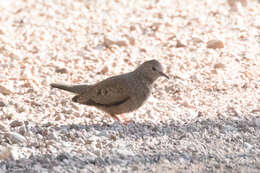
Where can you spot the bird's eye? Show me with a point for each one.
(153, 68)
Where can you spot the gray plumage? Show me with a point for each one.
(118, 94)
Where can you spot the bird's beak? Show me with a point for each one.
(163, 74)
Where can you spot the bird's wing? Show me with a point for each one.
(112, 91)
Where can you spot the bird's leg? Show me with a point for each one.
(118, 117)
(115, 117)
(125, 120)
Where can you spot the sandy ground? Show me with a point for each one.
(206, 118)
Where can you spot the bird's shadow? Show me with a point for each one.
(137, 129)
(173, 130)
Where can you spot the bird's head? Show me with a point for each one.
(152, 70)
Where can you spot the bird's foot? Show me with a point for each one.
(124, 119)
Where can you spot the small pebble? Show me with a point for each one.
(61, 70)
(22, 130)
(16, 123)
(179, 44)
(196, 40)
(4, 90)
(15, 138)
(3, 127)
(52, 136)
(5, 153)
(2, 104)
(215, 44)
(257, 122)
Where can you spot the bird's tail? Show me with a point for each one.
(78, 89)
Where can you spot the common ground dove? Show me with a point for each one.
(118, 94)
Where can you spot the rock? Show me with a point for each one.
(14, 154)
(44, 132)
(108, 43)
(131, 40)
(3, 128)
(57, 168)
(196, 40)
(243, 2)
(132, 28)
(21, 108)
(215, 44)
(257, 122)
(15, 137)
(104, 70)
(248, 146)
(16, 123)
(22, 130)
(61, 70)
(180, 44)
(63, 156)
(5, 153)
(124, 152)
(219, 66)
(256, 111)
(134, 168)
(113, 137)
(52, 136)
(2, 104)
(229, 128)
(1, 32)
(120, 43)
(102, 133)
(10, 115)
(4, 90)
(96, 152)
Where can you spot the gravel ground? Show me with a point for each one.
(206, 118)
(199, 146)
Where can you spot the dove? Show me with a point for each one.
(118, 94)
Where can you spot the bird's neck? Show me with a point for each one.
(148, 80)
(143, 77)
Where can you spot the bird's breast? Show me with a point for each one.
(142, 94)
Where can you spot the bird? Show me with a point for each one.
(118, 94)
